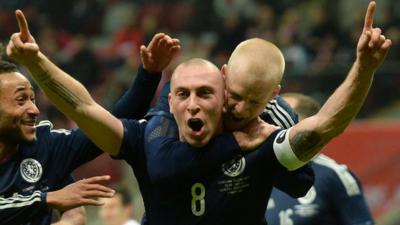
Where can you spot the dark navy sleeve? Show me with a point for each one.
(132, 143)
(296, 183)
(136, 100)
(348, 198)
(169, 158)
(67, 148)
(22, 209)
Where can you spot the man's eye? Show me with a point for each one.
(20, 101)
(181, 94)
(234, 96)
(204, 93)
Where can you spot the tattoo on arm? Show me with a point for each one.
(58, 89)
(305, 144)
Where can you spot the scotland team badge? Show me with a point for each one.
(31, 170)
(234, 167)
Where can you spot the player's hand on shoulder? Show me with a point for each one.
(254, 134)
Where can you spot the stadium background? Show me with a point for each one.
(97, 42)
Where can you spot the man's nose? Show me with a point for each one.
(193, 106)
(33, 109)
(240, 107)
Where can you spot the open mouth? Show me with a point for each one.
(195, 124)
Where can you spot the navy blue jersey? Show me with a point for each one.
(229, 193)
(161, 157)
(45, 165)
(335, 199)
(173, 187)
(37, 168)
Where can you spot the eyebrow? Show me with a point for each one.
(22, 88)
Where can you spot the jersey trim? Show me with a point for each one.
(348, 181)
(20, 200)
(45, 123)
(279, 115)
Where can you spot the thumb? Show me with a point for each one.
(144, 54)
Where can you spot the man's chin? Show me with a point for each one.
(30, 139)
(197, 143)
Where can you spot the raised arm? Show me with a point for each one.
(310, 135)
(155, 58)
(66, 93)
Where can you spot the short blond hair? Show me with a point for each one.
(259, 58)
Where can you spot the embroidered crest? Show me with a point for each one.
(234, 167)
(31, 170)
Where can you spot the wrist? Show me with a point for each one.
(151, 72)
(35, 64)
(51, 199)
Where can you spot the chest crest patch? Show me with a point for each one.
(234, 167)
(31, 170)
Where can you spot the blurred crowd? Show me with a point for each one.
(97, 41)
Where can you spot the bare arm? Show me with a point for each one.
(66, 93)
(83, 192)
(309, 136)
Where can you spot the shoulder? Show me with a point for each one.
(46, 126)
(336, 174)
(279, 112)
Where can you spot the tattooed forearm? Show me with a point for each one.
(58, 89)
(305, 144)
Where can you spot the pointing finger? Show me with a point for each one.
(369, 17)
(23, 25)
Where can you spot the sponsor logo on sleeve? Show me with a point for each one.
(281, 137)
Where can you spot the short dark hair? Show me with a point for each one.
(125, 196)
(7, 67)
(306, 106)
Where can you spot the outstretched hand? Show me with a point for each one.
(22, 46)
(83, 192)
(372, 46)
(159, 53)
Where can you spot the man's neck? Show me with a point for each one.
(7, 151)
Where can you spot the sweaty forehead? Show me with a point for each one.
(13, 82)
(198, 75)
